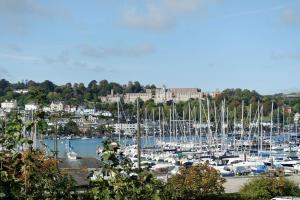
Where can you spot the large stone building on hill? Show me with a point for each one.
(159, 95)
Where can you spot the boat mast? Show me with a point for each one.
(173, 121)
(261, 128)
(159, 124)
(153, 124)
(189, 123)
(223, 126)
(283, 124)
(183, 122)
(118, 105)
(163, 126)
(200, 122)
(146, 125)
(170, 125)
(138, 134)
(271, 131)
(234, 129)
(278, 121)
(216, 124)
(176, 121)
(227, 125)
(250, 119)
(208, 124)
(242, 121)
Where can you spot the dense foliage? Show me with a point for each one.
(264, 188)
(74, 94)
(27, 173)
(197, 182)
(119, 180)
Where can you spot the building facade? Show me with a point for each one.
(57, 107)
(159, 95)
(9, 105)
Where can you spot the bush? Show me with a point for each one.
(196, 182)
(269, 187)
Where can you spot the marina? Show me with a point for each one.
(248, 145)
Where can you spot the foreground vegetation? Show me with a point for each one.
(28, 173)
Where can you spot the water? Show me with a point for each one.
(84, 148)
(88, 147)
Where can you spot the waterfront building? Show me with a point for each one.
(127, 128)
(31, 107)
(8, 106)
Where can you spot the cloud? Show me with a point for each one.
(16, 14)
(12, 48)
(69, 60)
(287, 55)
(253, 12)
(91, 67)
(20, 57)
(61, 58)
(4, 72)
(290, 16)
(100, 52)
(158, 15)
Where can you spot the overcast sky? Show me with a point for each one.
(209, 44)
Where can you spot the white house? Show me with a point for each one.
(106, 114)
(21, 91)
(9, 105)
(57, 107)
(127, 128)
(296, 117)
(46, 109)
(29, 107)
(70, 109)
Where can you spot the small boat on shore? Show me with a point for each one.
(71, 154)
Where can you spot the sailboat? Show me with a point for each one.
(71, 155)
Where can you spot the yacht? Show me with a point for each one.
(72, 155)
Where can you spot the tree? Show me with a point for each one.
(296, 108)
(71, 128)
(48, 86)
(37, 95)
(196, 182)
(268, 187)
(28, 174)
(121, 180)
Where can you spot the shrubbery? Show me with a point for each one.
(269, 187)
(196, 182)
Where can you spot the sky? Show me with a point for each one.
(208, 44)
